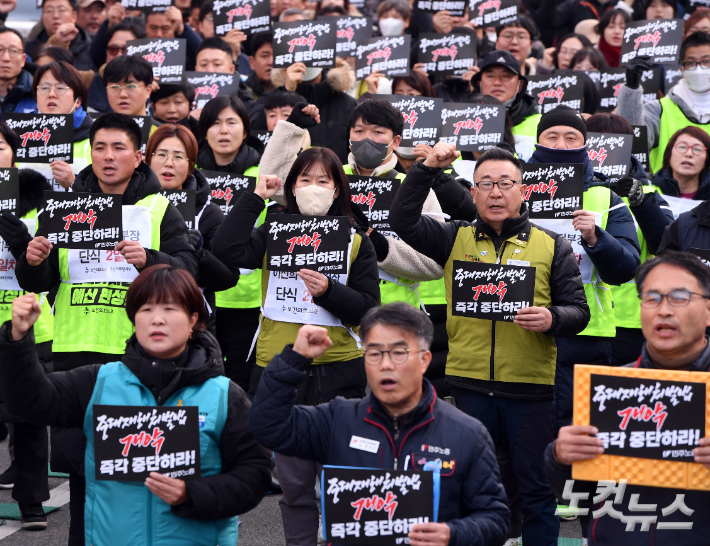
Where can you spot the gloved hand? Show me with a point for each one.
(14, 231)
(196, 239)
(301, 119)
(634, 70)
(623, 186)
(636, 194)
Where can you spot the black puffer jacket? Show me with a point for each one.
(453, 90)
(79, 47)
(21, 90)
(523, 107)
(61, 399)
(247, 156)
(690, 230)
(669, 185)
(175, 247)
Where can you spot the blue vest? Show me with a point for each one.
(119, 513)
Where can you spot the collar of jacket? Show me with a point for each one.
(518, 227)
(201, 360)
(22, 87)
(523, 106)
(702, 364)
(143, 183)
(246, 157)
(197, 181)
(255, 84)
(669, 185)
(421, 413)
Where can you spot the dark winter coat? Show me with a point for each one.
(453, 90)
(247, 156)
(664, 180)
(20, 91)
(690, 230)
(79, 47)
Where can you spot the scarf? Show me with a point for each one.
(611, 54)
(699, 103)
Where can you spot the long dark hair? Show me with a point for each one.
(333, 167)
(415, 80)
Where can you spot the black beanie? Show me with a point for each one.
(562, 115)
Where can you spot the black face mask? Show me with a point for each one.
(544, 154)
(369, 154)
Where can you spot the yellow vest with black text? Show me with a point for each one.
(45, 323)
(92, 316)
(526, 130)
(672, 120)
(247, 293)
(495, 350)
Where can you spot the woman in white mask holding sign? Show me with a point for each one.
(59, 89)
(315, 186)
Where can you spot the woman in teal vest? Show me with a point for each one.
(170, 361)
(225, 130)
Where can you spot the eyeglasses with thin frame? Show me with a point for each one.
(13, 51)
(676, 298)
(690, 65)
(129, 87)
(682, 147)
(398, 355)
(505, 184)
(161, 157)
(116, 50)
(59, 88)
(60, 11)
(509, 36)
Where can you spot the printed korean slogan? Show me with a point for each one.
(491, 13)
(553, 190)
(455, 7)
(422, 118)
(144, 124)
(610, 154)
(82, 220)
(658, 39)
(472, 127)
(227, 188)
(389, 55)
(43, 138)
(166, 56)
(249, 16)
(309, 42)
(184, 201)
(374, 196)
(147, 6)
(551, 91)
(448, 54)
(209, 85)
(350, 31)
(639, 146)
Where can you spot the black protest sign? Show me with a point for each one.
(372, 507)
(374, 196)
(449, 54)
(551, 91)
(226, 188)
(147, 6)
(472, 127)
(692, 5)
(209, 85)
(144, 124)
(702, 253)
(130, 442)
(388, 54)
(184, 201)
(44, 138)
(553, 190)
(455, 7)
(639, 146)
(9, 189)
(249, 16)
(658, 39)
(671, 76)
(422, 118)
(491, 13)
(320, 243)
(491, 291)
(610, 82)
(350, 31)
(166, 56)
(263, 136)
(647, 418)
(610, 154)
(651, 83)
(82, 220)
(309, 42)
(593, 75)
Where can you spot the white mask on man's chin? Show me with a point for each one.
(697, 79)
(406, 152)
(391, 26)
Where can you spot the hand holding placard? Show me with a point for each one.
(535, 319)
(133, 252)
(312, 341)
(584, 222)
(25, 312)
(430, 534)
(317, 283)
(702, 454)
(172, 490)
(267, 186)
(576, 443)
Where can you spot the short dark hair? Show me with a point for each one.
(415, 80)
(331, 10)
(11, 138)
(695, 132)
(594, 55)
(56, 53)
(4, 29)
(377, 112)
(205, 10)
(400, 6)
(400, 315)
(695, 39)
(609, 17)
(333, 167)
(122, 122)
(67, 74)
(71, 3)
(277, 99)
(215, 106)
(164, 283)
(126, 26)
(581, 37)
(498, 154)
(125, 66)
(215, 43)
(685, 260)
(169, 89)
(258, 41)
(609, 123)
(523, 21)
(670, 3)
(196, 4)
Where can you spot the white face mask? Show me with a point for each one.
(406, 152)
(698, 79)
(391, 26)
(314, 200)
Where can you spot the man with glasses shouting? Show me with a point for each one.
(674, 289)
(393, 427)
(502, 373)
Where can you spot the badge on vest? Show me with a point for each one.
(364, 444)
(518, 262)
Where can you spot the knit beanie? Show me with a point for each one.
(562, 115)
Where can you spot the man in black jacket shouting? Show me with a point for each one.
(393, 427)
(502, 373)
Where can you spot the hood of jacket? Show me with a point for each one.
(201, 360)
(669, 185)
(340, 79)
(197, 181)
(246, 157)
(523, 106)
(144, 182)
(702, 364)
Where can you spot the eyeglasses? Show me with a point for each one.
(60, 11)
(129, 87)
(510, 36)
(504, 184)
(690, 65)
(397, 356)
(677, 298)
(59, 88)
(161, 157)
(116, 50)
(568, 51)
(13, 51)
(682, 147)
